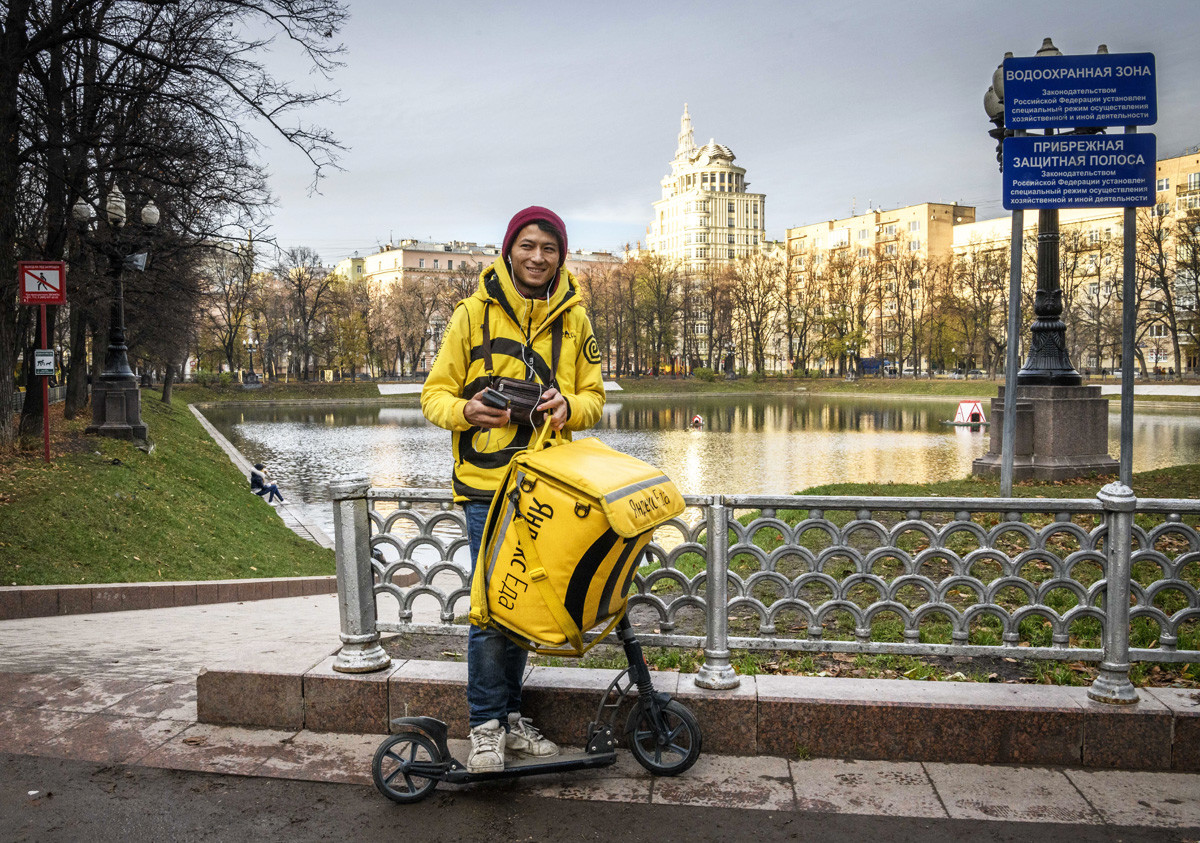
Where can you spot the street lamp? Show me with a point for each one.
(1048, 363)
(116, 399)
(250, 345)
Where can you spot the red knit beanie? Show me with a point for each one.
(536, 213)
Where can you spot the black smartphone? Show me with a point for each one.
(494, 399)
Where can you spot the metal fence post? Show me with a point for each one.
(360, 651)
(717, 673)
(1112, 685)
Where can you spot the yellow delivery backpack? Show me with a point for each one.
(563, 538)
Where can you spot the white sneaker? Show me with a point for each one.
(525, 740)
(487, 748)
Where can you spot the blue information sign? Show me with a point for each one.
(1106, 89)
(1079, 171)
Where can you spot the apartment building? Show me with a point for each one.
(705, 215)
(1091, 267)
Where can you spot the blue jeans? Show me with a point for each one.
(495, 665)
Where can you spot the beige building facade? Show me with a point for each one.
(433, 263)
(705, 215)
(1092, 261)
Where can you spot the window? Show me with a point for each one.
(915, 225)
(1188, 203)
(449, 264)
(1193, 181)
(863, 251)
(436, 263)
(701, 253)
(731, 222)
(889, 249)
(420, 263)
(755, 239)
(838, 238)
(1162, 184)
(731, 253)
(730, 238)
(889, 230)
(1162, 209)
(914, 245)
(863, 233)
(1158, 330)
(732, 207)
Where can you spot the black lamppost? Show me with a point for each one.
(1049, 364)
(250, 345)
(116, 398)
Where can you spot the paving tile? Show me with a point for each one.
(728, 719)
(562, 701)
(761, 782)
(10, 604)
(624, 781)
(432, 689)
(184, 594)
(112, 739)
(75, 601)
(29, 690)
(346, 702)
(1014, 794)
(1184, 706)
(323, 757)
(1128, 737)
(118, 598)
(165, 700)
(26, 730)
(919, 721)
(39, 602)
(830, 785)
(1158, 800)
(218, 749)
(65, 693)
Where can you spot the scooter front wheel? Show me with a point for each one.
(402, 767)
(665, 750)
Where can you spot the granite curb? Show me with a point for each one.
(37, 601)
(788, 716)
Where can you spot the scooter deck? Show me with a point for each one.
(568, 758)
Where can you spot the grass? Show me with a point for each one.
(105, 511)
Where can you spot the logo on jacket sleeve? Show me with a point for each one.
(591, 351)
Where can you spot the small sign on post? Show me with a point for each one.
(42, 282)
(43, 362)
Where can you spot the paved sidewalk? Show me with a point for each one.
(120, 688)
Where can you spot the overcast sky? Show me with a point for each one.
(456, 114)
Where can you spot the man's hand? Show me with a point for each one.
(555, 406)
(482, 416)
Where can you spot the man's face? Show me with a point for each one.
(534, 258)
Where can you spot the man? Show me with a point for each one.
(526, 305)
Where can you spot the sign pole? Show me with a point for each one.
(1128, 316)
(45, 396)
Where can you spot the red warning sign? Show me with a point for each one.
(42, 282)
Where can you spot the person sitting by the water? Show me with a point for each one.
(260, 486)
(697, 422)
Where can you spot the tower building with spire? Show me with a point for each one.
(705, 215)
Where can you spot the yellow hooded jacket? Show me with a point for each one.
(520, 331)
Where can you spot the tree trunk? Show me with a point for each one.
(77, 394)
(168, 382)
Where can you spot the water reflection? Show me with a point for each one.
(760, 445)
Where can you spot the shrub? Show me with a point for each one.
(705, 374)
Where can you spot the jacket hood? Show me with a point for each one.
(531, 315)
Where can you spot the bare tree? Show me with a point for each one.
(309, 285)
(757, 284)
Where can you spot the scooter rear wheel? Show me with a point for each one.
(672, 751)
(392, 767)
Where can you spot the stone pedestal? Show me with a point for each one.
(117, 408)
(1062, 432)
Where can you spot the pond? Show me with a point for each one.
(747, 445)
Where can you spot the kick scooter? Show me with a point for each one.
(661, 732)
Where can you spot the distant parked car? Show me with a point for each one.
(976, 373)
